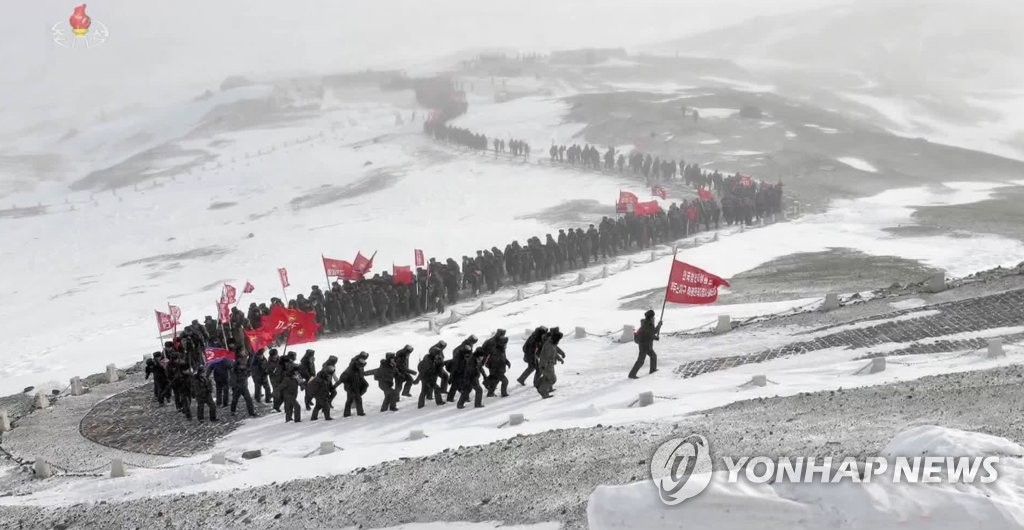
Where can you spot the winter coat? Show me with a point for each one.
(646, 335)
(354, 378)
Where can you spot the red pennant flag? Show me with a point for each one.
(224, 311)
(689, 285)
(175, 313)
(647, 208)
(164, 322)
(658, 191)
(401, 275)
(283, 274)
(212, 355)
(704, 194)
(418, 254)
(362, 265)
(303, 327)
(229, 294)
(259, 338)
(627, 202)
(249, 287)
(340, 269)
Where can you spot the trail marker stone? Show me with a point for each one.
(581, 333)
(627, 333)
(645, 399)
(5, 421)
(76, 386)
(724, 324)
(877, 365)
(604, 271)
(936, 283)
(41, 402)
(417, 435)
(42, 468)
(219, 459)
(112, 375)
(580, 280)
(326, 448)
(995, 348)
(117, 468)
(516, 419)
(759, 380)
(831, 302)
(254, 453)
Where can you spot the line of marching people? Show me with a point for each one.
(278, 379)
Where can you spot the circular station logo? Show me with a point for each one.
(681, 468)
(79, 31)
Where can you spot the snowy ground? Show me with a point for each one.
(212, 199)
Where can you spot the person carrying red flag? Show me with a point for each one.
(249, 287)
(645, 337)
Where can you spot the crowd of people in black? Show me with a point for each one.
(181, 374)
(278, 379)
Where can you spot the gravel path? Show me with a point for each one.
(549, 476)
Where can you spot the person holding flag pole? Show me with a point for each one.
(686, 285)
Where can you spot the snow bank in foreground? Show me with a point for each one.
(858, 163)
(490, 525)
(877, 505)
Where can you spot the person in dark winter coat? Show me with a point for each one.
(290, 383)
(161, 386)
(385, 376)
(354, 381)
(202, 390)
(240, 385)
(320, 387)
(550, 354)
(497, 362)
(307, 369)
(645, 337)
(332, 390)
(222, 379)
(181, 385)
(437, 351)
(474, 371)
(531, 349)
(404, 378)
(258, 365)
(457, 366)
(275, 367)
(430, 369)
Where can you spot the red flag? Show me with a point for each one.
(164, 322)
(627, 202)
(283, 274)
(704, 194)
(340, 269)
(362, 265)
(278, 320)
(418, 254)
(303, 327)
(401, 275)
(745, 181)
(259, 338)
(212, 355)
(175, 313)
(224, 311)
(689, 285)
(647, 208)
(229, 294)
(249, 287)
(658, 191)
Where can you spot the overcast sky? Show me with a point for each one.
(165, 49)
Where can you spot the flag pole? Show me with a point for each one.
(675, 251)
